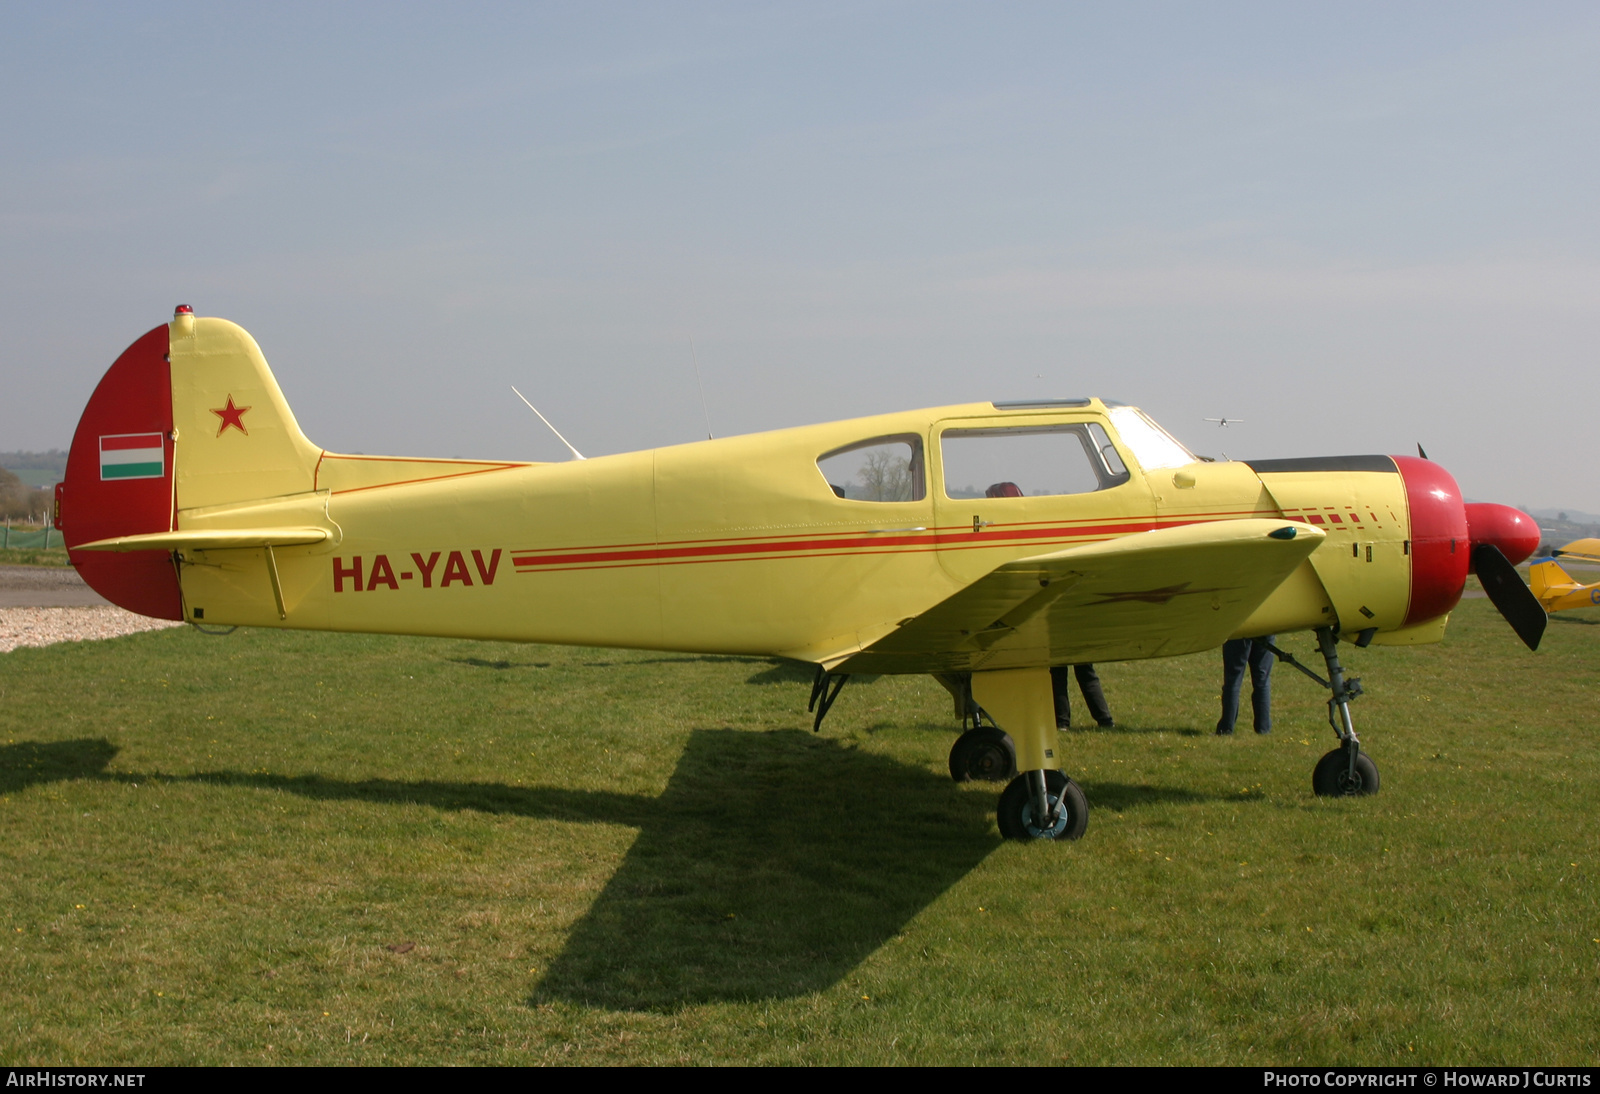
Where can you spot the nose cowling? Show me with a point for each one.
(1511, 530)
(1450, 538)
(1440, 546)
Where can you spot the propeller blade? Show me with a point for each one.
(1510, 595)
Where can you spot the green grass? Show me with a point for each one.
(285, 847)
(34, 556)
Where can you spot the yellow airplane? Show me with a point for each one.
(1557, 590)
(981, 543)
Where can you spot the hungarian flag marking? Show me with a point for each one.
(132, 456)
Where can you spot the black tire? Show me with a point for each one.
(1015, 812)
(1331, 778)
(984, 755)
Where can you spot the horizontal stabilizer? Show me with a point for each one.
(221, 539)
(1159, 593)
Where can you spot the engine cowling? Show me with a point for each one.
(1441, 542)
(1444, 530)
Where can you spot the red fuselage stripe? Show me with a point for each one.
(796, 547)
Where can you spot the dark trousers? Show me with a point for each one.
(1089, 684)
(1237, 655)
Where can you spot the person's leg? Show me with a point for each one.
(1235, 652)
(1060, 686)
(1261, 683)
(1093, 697)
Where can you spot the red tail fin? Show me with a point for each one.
(119, 480)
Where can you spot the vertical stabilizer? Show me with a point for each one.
(1548, 580)
(189, 417)
(237, 439)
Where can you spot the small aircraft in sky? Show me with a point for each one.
(1556, 589)
(981, 543)
(1224, 423)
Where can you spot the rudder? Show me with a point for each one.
(119, 481)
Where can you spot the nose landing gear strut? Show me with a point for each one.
(1346, 771)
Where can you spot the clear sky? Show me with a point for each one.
(1354, 226)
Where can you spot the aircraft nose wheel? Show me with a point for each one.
(1066, 801)
(985, 755)
(1333, 778)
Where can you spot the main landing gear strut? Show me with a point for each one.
(1041, 802)
(1346, 771)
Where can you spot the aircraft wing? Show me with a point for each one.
(1152, 594)
(1585, 550)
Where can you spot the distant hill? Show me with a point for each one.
(1560, 526)
(37, 469)
(1565, 516)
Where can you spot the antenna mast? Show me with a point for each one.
(575, 453)
(704, 408)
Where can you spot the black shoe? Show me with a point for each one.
(1263, 732)
(1108, 724)
(1224, 732)
(1063, 725)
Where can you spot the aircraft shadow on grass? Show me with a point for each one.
(1176, 731)
(1120, 797)
(770, 866)
(30, 763)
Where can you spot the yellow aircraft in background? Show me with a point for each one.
(1555, 588)
(981, 543)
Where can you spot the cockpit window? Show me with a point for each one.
(880, 469)
(1029, 461)
(1151, 445)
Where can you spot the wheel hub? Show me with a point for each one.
(1040, 831)
(990, 763)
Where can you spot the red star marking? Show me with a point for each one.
(1154, 596)
(231, 415)
(1147, 596)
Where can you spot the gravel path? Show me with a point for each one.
(47, 626)
(43, 605)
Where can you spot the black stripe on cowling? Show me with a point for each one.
(1323, 463)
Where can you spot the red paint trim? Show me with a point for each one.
(845, 544)
(871, 543)
(488, 465)
(430, 478)
(133, 398)
(1440, 547)
(945, 533)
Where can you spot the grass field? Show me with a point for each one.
(281, 847)
(34, 556)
